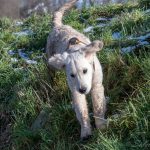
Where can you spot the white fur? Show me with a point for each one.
(75, 63)
(83, 71)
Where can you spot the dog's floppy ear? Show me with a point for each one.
(92, 48)
(58, 61)
(95, 46)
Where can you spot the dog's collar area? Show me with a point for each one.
(74, 41)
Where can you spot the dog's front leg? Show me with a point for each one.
(98, 98)
(99, 105)
(81, 109)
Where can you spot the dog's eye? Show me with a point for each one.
(72, 75)
(85, 71)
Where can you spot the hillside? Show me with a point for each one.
(28, 92)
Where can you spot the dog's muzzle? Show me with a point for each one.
(83, 90)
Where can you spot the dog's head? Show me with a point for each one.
(78, 65)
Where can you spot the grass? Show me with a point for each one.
(26, 89)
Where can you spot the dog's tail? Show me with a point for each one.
(58, 15)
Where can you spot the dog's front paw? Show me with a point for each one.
(101, 123)
(86, 133)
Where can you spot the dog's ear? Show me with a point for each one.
(94, 47)
(58, 61)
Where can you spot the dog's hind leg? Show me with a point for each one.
(81, 109)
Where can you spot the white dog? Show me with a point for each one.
(70, 50)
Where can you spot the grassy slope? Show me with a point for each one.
(26, 91)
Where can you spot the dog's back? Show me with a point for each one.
(58, 39)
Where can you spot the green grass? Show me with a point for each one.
(25, 89)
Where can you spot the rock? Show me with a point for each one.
(40, 120)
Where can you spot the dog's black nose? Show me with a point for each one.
(82, 90)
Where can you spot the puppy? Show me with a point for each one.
(73, 52)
